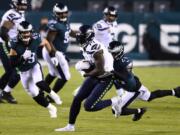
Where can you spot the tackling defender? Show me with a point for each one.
(97, 82)
(58, 36)
(23, 56)
(9, 23)
(128, 85)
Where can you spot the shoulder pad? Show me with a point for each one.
(11, 15)
(101, 25)
(51, 24)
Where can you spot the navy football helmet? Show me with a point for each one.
(110, 13)
(61, 12)
(116, 48)
(85, 34)
(19, 5)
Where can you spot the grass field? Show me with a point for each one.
(162, 117)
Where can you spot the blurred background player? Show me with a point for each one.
(23, 56)
(128, 85)
(105, 28)
(58, 36)
(8, 31)
(97, 81)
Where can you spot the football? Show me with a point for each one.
(84, 65)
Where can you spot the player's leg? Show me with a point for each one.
(149, 96)
(51, 75)
(38, 79)
(94, 101)
(83, 93)
(126, 99)
(8, 80)
(6, 65)
(38, 96)
(62, 71)
(13, 81)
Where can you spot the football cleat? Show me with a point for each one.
(139, 115)
(67, 128)
(116, 106)
(55, 97)
(177, 92)
(52, 111)
(8, 97)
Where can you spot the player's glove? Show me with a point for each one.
(26, 54)
(54, 61)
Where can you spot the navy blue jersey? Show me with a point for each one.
(62, 37)
(20, 48)
(124, 77)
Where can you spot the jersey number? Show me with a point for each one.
(31, 59)
(66, 37)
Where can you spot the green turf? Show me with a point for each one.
(162, 118)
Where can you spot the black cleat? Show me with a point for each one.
(8, 97)
(138, 116)
(177, 92)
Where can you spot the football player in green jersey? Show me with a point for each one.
(23, 56)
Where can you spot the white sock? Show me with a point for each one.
(173, 92)
(139, 110)
(7, 88)
(49, 106)
(70, 125)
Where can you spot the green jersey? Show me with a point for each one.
(20, 48)
(62, 37)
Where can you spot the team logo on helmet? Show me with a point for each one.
(116, 48)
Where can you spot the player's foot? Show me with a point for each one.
(138, 115)
(177, 92)
(68, 128)
(116, 106)
(55, 97)
(52, 111)
(8, 97)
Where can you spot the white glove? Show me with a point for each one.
(54, 61)
(27, 54)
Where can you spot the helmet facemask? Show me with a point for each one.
(86, 34)
(110, 14)
(19, 5)
(61, 12)
(25, 32)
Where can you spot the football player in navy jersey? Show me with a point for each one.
(23, 56)
(128, 85)
(8, 30)
(97, 82)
